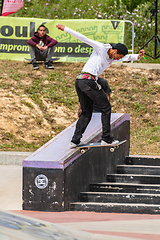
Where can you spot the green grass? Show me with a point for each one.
(57, 88)
(150, 133)
(27, 104)
(24, 145)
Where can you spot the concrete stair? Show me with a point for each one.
(134, 188)
(125, 187)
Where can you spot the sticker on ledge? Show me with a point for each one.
(41, 181)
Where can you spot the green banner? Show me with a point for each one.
(14, 33)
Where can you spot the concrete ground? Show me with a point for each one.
(141, 65)
(10, 187)
(110, 226)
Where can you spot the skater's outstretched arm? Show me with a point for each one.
(80, 36)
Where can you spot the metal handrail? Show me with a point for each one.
(133, 36)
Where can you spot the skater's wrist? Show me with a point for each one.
(139, 57)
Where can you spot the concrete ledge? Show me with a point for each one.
(54, 175)
(13, 158)
(56, 154)
(141, 65)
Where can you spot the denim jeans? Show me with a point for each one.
(38, 55)
(88, 93)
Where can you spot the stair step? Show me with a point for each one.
(135, 188)
(125, 187)
(119, 197)
(143, 160)
(116, 207)
(138, 169)
(133, 178)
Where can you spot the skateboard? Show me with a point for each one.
(52, 59)
(112, 147)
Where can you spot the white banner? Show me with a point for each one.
(11, 6)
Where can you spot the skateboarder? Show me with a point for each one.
(105, 86)
(89, 90)
(41, 47)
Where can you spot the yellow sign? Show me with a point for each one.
(14, 33)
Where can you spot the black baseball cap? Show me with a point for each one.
(121, 48)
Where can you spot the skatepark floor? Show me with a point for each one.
(110, 226)
(10, 187)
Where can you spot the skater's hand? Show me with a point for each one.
(141, 53)
(60, 26)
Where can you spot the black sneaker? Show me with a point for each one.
(48, 65)
(35, 65)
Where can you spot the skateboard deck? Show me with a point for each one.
(52, 59)
(112, 147)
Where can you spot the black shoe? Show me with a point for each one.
(48, 65)
(35, 65)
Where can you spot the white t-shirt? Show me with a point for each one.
(99, 59)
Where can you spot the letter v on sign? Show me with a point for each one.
(115, 24)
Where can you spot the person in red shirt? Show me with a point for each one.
(41, 48)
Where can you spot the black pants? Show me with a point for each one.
(88, 93)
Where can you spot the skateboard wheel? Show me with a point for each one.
(82, 150)
(112, 149)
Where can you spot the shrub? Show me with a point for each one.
(132, 4)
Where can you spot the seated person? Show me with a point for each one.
(41, 47)
(105, 86)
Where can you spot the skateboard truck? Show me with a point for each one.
(83, 150)
(112, 147)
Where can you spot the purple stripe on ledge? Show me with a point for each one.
(57, 154)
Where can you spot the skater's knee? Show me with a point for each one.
(87, 115)
(105, 107)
